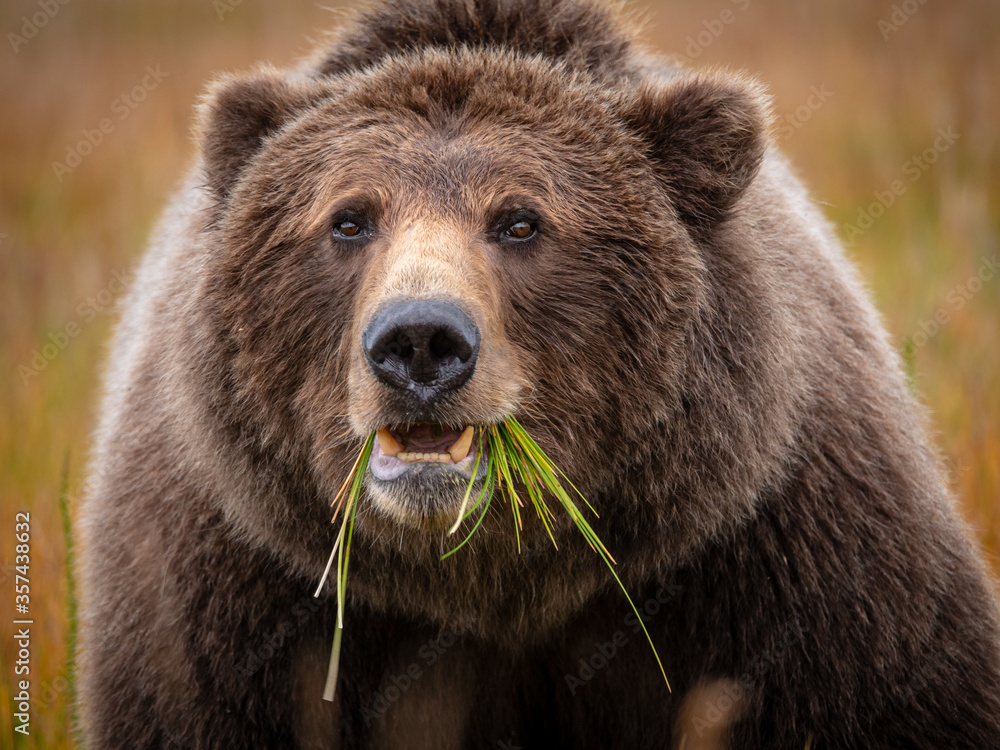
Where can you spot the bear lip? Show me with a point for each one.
(401, 448)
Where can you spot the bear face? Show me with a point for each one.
(431, 162)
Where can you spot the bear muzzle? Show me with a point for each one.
(424, 350)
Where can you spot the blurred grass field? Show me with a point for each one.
(858, 95)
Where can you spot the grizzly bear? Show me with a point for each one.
(464, 211)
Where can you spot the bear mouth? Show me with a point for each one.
(408, 448)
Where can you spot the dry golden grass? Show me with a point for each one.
(61, 241)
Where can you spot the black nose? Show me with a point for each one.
(427, 347)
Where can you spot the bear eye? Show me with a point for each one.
(347, 229)
(517, 225)
(521, 230)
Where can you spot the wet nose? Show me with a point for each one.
(428, 347)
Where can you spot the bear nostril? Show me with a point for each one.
(442, 345)
(400, 347)
(426, 347)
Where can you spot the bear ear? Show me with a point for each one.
(238, 113)
(707, 135)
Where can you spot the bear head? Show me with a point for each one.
(429, 238)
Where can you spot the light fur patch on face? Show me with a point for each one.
(428, 256)
(428, 259)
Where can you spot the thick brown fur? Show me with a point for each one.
(683, 337)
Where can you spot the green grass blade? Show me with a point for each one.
(344, 559)
(514, 446)
(468, 490)
(634, 609)
(342, 549)
(71, 601)
(488, 492)
(534, 485)
(506, 479)
(333, 670)
(542, 459)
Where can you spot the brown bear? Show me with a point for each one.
(460, 212)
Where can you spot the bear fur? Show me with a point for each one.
(684, 338)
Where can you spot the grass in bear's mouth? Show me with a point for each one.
(513, 456)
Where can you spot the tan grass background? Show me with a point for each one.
(887, 92)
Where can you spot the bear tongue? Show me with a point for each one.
(424, 438)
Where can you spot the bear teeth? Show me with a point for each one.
(439, 458)
(460, 448)
(457, 453)
(389, 445)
